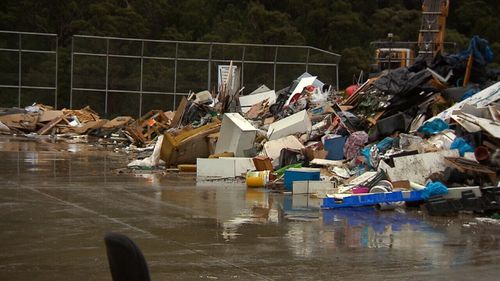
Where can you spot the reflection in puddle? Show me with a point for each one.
(258, 208)
(152, 179)
(369, 228)
(40, 161)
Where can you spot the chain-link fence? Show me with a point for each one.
(125, 76)
(28, 71)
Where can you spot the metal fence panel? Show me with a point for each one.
(129, 76)
(35, 79)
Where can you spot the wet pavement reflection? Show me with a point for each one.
(57, 201)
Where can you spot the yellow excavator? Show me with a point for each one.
(390, 55)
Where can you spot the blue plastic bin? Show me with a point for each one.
(335, 147)
(300, 174)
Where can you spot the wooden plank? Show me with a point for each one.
(466, 164)
(373, 120)
(50, 125)
(179, 113)
(467, 125)
(463, 165)
(49, 115)
(468, 70)
(136, 134)
(354, 97)
(117, 122)
(490, 126)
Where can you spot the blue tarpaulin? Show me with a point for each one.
(462, 146)
(469, 93)
(433, 127)
(480, 50)
(433, 189)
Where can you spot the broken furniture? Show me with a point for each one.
(186, 145)
(148, 127)
(273, 148)
(237, 135)
(296, 123)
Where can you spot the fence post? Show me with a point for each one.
(209, 66)
(337, 76)
(140, 85)
(57, 68)
(175, 74)
(307, 59)
(243, 68)
(20, 72)
(274, 71)
(71, 73)
(107, 79)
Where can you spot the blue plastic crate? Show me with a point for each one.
(371, 199)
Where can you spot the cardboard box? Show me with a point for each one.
(315, 154)
(263, 163)
(49, 115)
(273, 148)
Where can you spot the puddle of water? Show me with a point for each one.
(281, 229)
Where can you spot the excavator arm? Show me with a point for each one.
(432, 29)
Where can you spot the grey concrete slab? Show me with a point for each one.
(58, 200)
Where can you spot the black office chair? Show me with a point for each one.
(126, 260)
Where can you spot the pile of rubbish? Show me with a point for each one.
(79, 125)
(409, 136)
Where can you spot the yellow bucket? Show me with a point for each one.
(257, 178)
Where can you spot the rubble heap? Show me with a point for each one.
(428, 134)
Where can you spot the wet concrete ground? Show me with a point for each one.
(58, 200)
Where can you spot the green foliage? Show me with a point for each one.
(404, 24)
(452, 35)
(353, 60)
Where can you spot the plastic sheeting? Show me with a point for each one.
(480, 49)
(401, 81)
(482, 55)
(152, 160)
(462, 146)
(433, 127)
(433, 189)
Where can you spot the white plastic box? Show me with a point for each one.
(236, 135)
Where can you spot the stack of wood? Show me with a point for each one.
(149, 126)
(46, 121)
(69, 121)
